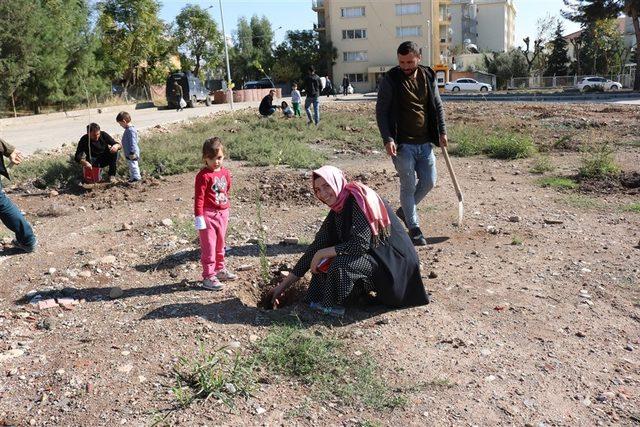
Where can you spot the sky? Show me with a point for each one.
(297, 14)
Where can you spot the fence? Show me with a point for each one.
(563, 82)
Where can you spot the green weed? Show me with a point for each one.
(508, 145)
(516, 241)
(598, 163)
(558, 183)
(327, 366)
(541, 165)
(467, 141)
(183, 227)
(581, 202)
(632, 207)
(215, 375)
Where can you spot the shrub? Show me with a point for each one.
(598, 163)
(541, 165)
(508, 145)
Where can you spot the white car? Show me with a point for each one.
(588, 83)
(468, 85)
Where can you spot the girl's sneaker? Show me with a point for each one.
(330, 311)
(225, 275)
(212, 283)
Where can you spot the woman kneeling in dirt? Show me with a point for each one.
(360, 247)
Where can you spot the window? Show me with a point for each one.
(354, 34)
(358, 78)
(408, 9)
(352, 12)
(415, 31)
(357, 56)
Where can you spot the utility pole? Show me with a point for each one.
(226, 54)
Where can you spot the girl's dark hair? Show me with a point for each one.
(211, 148)
(284, 104)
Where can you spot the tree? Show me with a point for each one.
(62, 66)
(559, 57)
(197, 36)
(299, 50)
(17, 45)
(505, 65)
(588, 11)
(602, 48)
(252, 54)
(537, 58)
(134, 41)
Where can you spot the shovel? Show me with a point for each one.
(455, 185)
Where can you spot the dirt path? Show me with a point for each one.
(535, 317)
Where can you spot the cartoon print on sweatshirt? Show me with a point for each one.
(219, 188)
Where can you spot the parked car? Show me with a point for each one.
(259, 84)
(589, 83)
(468, 85)
(192, 89)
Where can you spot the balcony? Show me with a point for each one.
(445, 19)
(317, 5)
(320, 26)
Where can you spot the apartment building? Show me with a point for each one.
(487, 24)
(367, 33)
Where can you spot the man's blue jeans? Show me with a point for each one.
(316, 109)
(414, 160)
(13, 219)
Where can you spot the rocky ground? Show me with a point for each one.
(535, 318)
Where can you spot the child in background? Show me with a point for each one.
(286, 110)
(295, 99)
(130, 145)
(211, 210)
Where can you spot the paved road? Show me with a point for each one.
(48, 131)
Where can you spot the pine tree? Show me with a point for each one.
(559, 58)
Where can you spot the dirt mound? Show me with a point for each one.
(260, 294)
(625, 182)
(282, 187)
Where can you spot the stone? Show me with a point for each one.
(126, 227)
(433, 275)
(167, 222)
(11, 354)
(245, 267)
(629, 347)
(46, 324)
(44, 304)
(109, 259)
(514, 218)
(260, 410)
(84, 273)
(115, 292)
(234, 344)
(550, 221)
(490, 378)
(53, 193)
(51, 271)
(230, 388)
(291, 240)
(492, 229)
(125, 369)
(253, 338)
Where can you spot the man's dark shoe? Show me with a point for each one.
(25, 248)
(417, 237)
(400, 214)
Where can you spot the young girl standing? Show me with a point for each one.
(211, 210)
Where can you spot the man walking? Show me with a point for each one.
(410, 118)
(313, 86)
(345, 85)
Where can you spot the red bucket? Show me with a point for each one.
(91, 175)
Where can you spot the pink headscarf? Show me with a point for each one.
(368, 200)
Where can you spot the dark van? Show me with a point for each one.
(192, 89)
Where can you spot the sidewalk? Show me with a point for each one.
(49, 131)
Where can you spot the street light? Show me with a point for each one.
(226, 55)
(429, 41)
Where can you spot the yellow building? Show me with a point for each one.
(366, 34)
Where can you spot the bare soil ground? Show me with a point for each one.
(535, 318)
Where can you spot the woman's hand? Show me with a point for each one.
(277, 292)
(322, 253)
